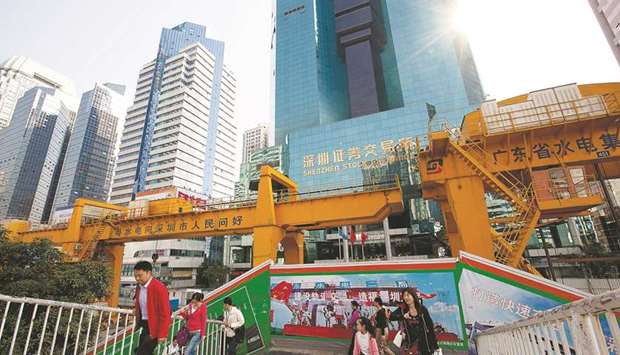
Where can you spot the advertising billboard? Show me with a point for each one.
(315, 301)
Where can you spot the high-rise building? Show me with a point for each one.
(355, 84)
(89, 162)
(181, 129)
(253, 140)
(250, 170)
(33, 149)
(19, 74)
(353, 79)
(607, 13)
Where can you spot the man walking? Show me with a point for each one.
(234, 323)
(152, 308)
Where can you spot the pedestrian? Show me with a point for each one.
(355, 315)
(195, 315)
(381, 326)
(152, 308)
(365, 342)
(234, 326)
(416, 324)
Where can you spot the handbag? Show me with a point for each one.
(398, 339)
(183, 336)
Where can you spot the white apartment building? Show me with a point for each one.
(254, 139)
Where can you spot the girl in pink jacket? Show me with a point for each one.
(365, 342)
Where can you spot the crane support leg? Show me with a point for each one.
(114, 256)
(293, 245)
(265, 246)
(467, 209)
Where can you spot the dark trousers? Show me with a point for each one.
(352, 343)
(231, 345)
(147, 344)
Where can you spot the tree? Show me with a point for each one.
(37, 270)
(212, 275)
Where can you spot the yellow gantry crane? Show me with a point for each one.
(544, 153)
(279, 215)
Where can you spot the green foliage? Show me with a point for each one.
(37, 270)
(211, 275)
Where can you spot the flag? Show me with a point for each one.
(342, 232)
(364, 237)
(352, 234)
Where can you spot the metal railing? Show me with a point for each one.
(531, 115)
(584, 327)
(280, 197)
(32, 326)
(560, 184)
(37, 326)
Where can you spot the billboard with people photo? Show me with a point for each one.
(327, 304)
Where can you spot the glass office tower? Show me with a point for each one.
(353, 77)
(355, 81)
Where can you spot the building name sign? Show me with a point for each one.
(368, 156)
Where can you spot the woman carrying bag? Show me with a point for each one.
(416, 335)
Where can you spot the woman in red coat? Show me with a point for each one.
(195, 315)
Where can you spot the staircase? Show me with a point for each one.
(88, 247)
(511, 234)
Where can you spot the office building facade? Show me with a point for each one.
(355, 84)
(89, 162)
(353, 79)
(181, 129)
(19, 74)
(34, 146)
(254, 139)
(250, 170)
(607, 13)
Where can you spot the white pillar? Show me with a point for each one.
(346, 250)
(388, 245)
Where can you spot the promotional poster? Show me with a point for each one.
(320, 305)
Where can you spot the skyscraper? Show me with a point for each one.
(33, 149)
(89, 161)
(181, 129)
(254, 139)
(250, 170)
(607, 13)
(17, 75)
(352, 80)
(355, 84)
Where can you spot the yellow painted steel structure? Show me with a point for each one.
(279, 215)
(538, 158)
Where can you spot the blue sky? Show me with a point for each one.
(519, 45)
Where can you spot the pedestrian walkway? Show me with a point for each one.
(295, 346)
